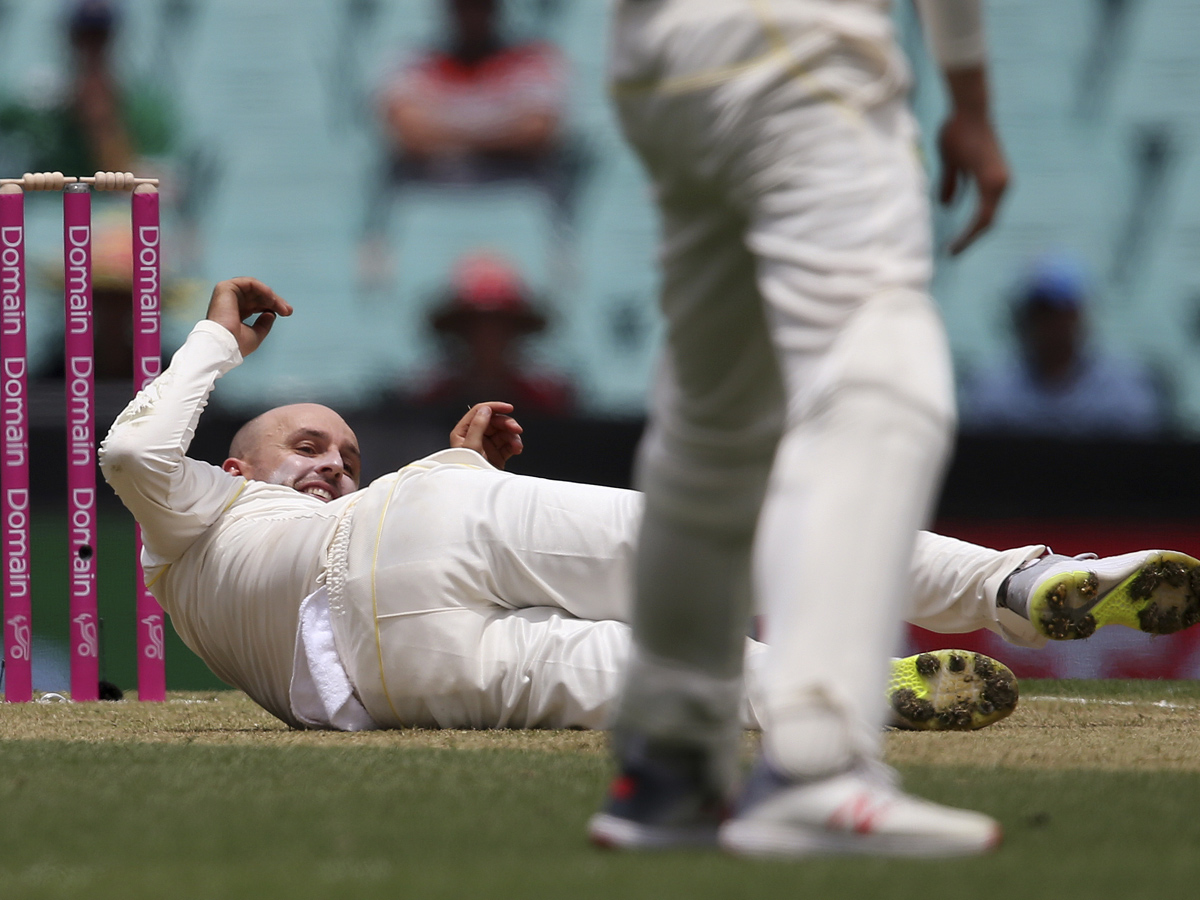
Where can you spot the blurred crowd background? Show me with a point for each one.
(440, 188)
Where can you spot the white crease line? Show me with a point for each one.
(1161, 704)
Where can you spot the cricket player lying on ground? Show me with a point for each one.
(453, 594)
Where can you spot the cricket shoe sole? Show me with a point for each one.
(1155, 591)
(950, 690)
(857, 812)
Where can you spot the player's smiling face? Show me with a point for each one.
(304, 446)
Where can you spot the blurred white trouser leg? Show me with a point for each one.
(795, 242)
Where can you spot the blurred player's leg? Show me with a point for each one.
(831, 199)
(841, 234)
(703, 465)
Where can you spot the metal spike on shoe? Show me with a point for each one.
(950, 690)
(1066, 598)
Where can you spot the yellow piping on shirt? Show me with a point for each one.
(233, 499)
(682, 84)
(375, 599)
(161, 572)
(797, 70)
(779, 51)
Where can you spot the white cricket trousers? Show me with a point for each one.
(806, 387)
(465, 597)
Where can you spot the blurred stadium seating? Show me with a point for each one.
(1097, 101)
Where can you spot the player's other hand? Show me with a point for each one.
(238, 299)
(490, 430)
(971, 151)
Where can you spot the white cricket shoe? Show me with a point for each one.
(862, 811)
(1067, 598)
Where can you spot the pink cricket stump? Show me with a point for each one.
(81, 442)
(147, 356)
(14, 464)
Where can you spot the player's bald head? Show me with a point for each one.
(300, 446)
(251, 436)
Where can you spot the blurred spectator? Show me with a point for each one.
(479, 110)
(484, 320)
(96, 123)
(1059, 385)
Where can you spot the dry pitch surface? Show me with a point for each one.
(1107, 726)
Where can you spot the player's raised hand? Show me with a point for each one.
(238, 299)
(489, 430)
(970, 151)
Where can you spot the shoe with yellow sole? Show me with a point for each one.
(950, 690)
(1069, 597)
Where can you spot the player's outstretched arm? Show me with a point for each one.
(144, 456)
(238, 299)
(490, 430)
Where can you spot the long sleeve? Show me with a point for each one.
(144, 456)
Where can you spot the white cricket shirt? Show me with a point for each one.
(230, 560)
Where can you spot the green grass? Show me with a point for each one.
(1112, 689)
(139, 820)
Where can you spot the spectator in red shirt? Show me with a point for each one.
(485, 318)
(478, 110)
